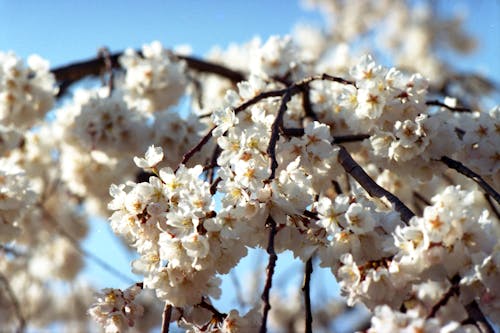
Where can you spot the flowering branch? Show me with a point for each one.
(459, 167)
(271, 224)
(306, 289)
(68, 74)
(15, 303)
(355, 170)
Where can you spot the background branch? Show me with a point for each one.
(15, 303)
(68, 74)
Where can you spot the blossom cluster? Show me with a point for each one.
(115, 309)
(259, 162)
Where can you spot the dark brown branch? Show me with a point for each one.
(477, 318)
(350, 138)
(355, 170)
(165, 318)
(492, 206)
(459, 167)
(258, 98)
(277, 124)
(271, 224)
(68, 74)
(306, 289)
(306, 103)
(451, 108)
(243, 106)
(187, 156)
(219, 316)
(213, 187)
(421, 198)
(15, 303)
(213, 68)
(454, 290)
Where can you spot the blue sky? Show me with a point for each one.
(66, 30)
(63, 31)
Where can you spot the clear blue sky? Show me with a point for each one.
(63, 31)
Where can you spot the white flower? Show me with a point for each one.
(115, 309)
(154, 155)
(360, 220)
(224, 119)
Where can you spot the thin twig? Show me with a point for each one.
(15, 303)
(306, 104)
(459, 167)
(271, 224)
(219, 316)
(451, 108)
(421, 198)
(259, 97)
(108, 63)
(356, 171)
(165, 318)
(306, 289)
(278, 121)
(203, 141)
(454, 290)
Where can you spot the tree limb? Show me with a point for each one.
(165, 318)
(355, 170)
(459, 167)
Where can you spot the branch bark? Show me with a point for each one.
(15, 304)
(68, 74)
(165, 319)
(306, 289)
(355, 170)
(271, 224)
(459, 167)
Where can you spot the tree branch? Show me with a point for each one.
(451, 108)
(68, 74)
(271, 224)
(277, 124)
(478, 318)
(492, 205)
(355, 170)
(165, 318)
(15, 304)
(459, 167)
(306, 289)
